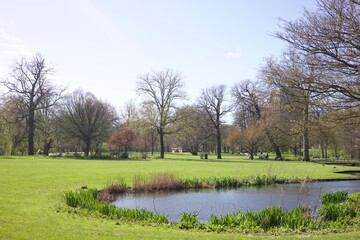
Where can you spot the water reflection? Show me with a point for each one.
(221, 202)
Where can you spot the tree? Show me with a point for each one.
(253, 98)
(29, 80)
(245, 139)
(212, 101)
(122, 139)
(145, 127)
(46, 129)
(128, 113)
(195, 128)
(296, 78)
(86, 118)
(331, 34)
(162, 90)
(12, 127)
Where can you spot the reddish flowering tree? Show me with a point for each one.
(122, 139)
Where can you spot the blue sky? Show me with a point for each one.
(103, 46)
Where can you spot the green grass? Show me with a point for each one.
(32, 188)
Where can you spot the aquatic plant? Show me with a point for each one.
(334, 215)
(334, 197)
(268, 218)
(336, 205)
(336, 211)
(189, 221)
(111, 192)
(87, 199)
(163, 181)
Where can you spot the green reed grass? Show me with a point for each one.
(333, 215)
(334, 197)
(266, 219)
(189, 221)
(87, 199)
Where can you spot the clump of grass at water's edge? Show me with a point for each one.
(87, 199)
(169, 182)
(164, 181)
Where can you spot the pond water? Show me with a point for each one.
(221, 202)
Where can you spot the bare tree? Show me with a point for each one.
(46, 126)
(162, 90)
(128, 113)
(332, 34)
(212, 101)
(253, 97)
(86, 118)
(29, 80)
(297, 79)
(147, 127)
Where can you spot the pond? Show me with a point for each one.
(221, 202)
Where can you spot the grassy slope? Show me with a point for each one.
(31, 193)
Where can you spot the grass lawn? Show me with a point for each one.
(32, 207)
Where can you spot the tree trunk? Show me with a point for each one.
(162, 147)
(98, 149)
(251, 153)
(87, 149)
(145, 145)
(218, 139)
(274, 145)
(306, 154)
(31, 131)
(47, 146)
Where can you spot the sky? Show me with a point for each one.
(103, 46)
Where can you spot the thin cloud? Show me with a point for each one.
(234, 54)
(11, 48)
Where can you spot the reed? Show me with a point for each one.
(111, 192)
(158, 182)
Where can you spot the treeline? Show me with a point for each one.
(306, 98)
